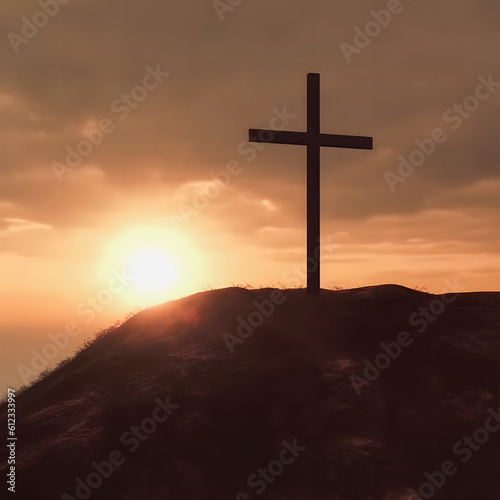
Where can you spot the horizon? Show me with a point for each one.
(125, 153)
(67, 342)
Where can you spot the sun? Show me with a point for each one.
(152, 270)
(158, 264)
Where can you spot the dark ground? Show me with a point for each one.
(290, 379)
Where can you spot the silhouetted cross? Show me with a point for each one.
(313, 139)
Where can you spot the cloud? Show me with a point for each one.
(9, 226)
(226, 77)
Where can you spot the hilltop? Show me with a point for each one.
(239, 394)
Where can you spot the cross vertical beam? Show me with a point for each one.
(313, 184)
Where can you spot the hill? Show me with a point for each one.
(273, 394)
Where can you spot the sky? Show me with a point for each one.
(127, 179)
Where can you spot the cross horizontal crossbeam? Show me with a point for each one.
(304, 139)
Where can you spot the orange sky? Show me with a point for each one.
(124, 130)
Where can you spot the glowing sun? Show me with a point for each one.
(158, 263)
(152, 270)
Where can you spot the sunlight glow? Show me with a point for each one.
(162, 263)
(152, 270)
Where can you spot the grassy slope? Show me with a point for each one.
(290, 379)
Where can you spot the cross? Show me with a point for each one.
(313, 139)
